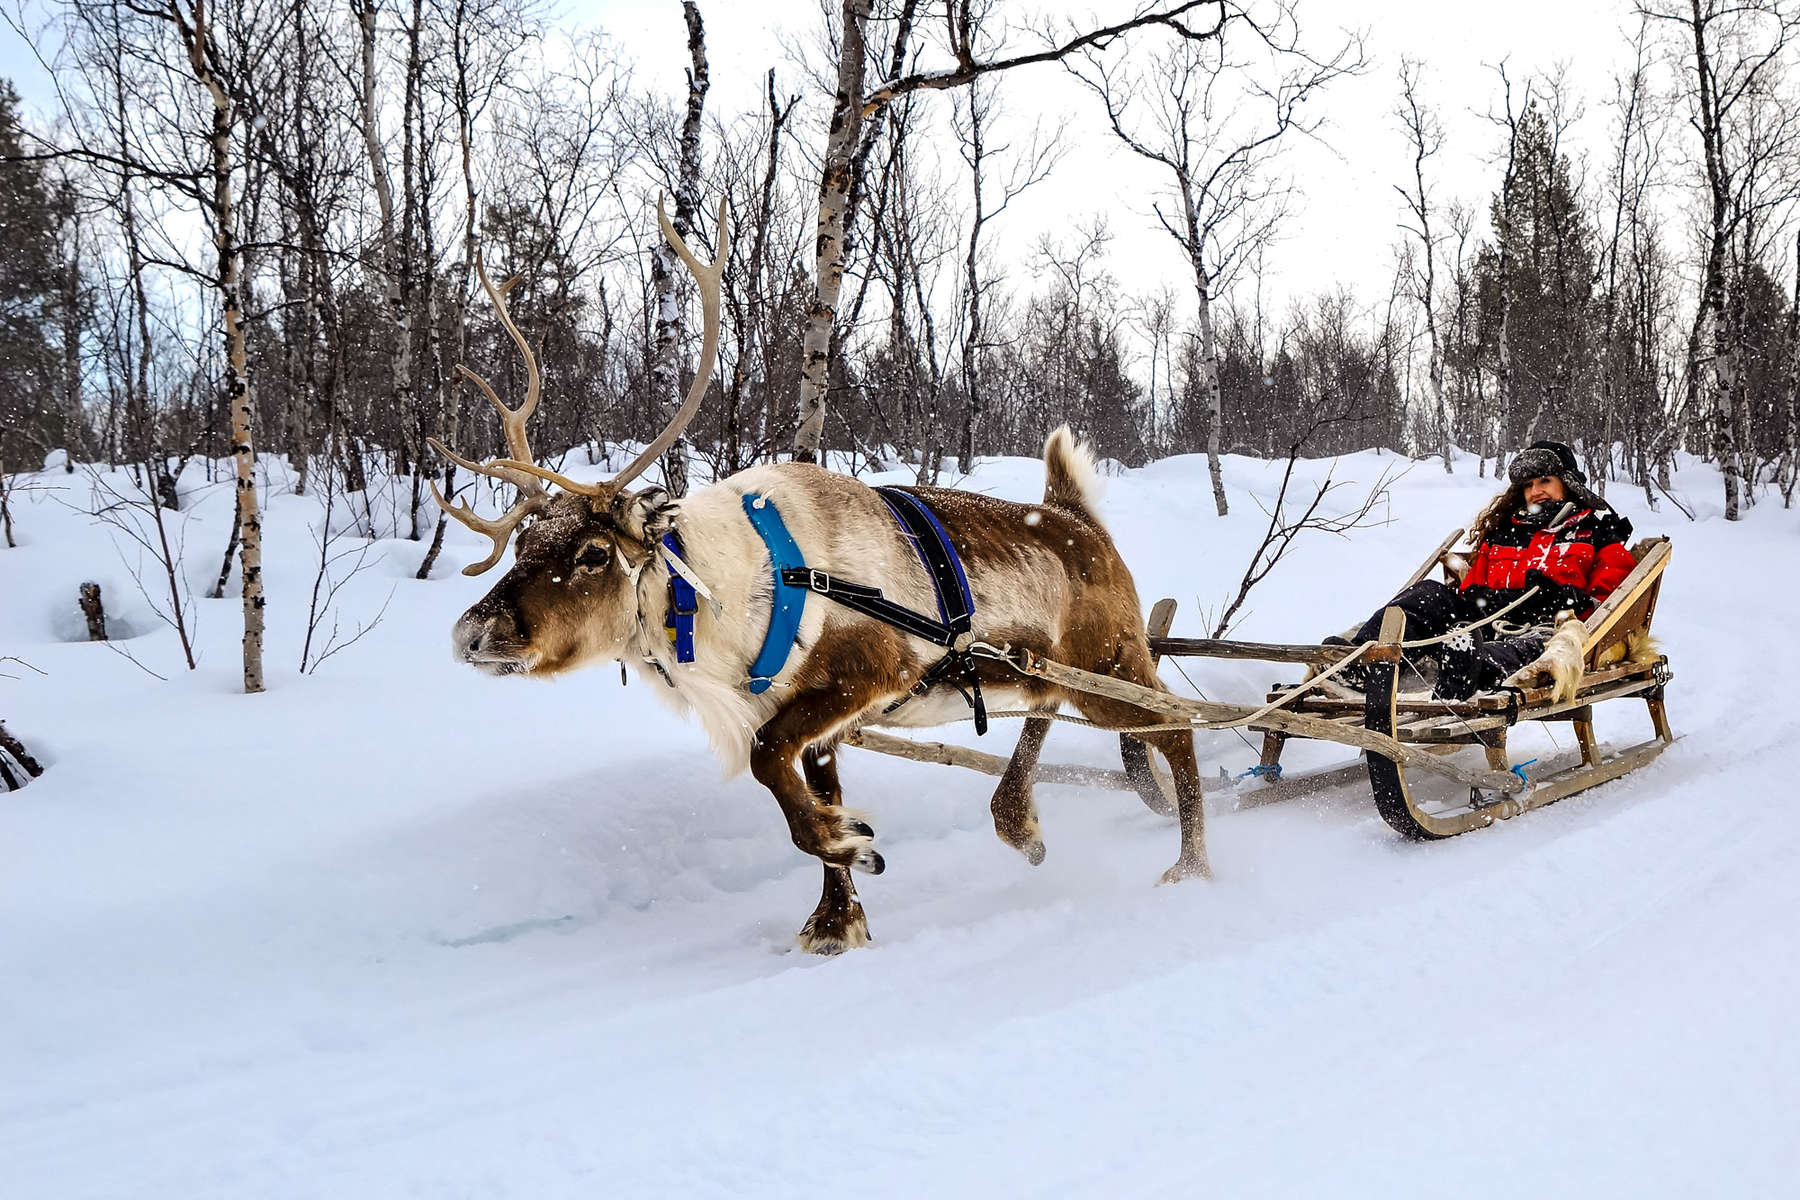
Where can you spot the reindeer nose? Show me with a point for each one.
(471, 636)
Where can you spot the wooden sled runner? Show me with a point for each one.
(1398, 733)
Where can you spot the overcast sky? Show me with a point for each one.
(1347, 223)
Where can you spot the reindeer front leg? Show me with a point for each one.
(838, 923)
(819, 826)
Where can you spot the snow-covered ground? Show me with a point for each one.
(397, 929)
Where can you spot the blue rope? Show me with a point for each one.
(1519, 770)
(1271, 770)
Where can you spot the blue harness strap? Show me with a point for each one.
(787, 603)
(678, 620)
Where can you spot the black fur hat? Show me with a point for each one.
(1554, 458)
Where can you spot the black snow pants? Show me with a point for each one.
(1475, 662)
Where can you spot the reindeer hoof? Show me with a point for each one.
(1022, 834)
(846, 841)
(835, 933)
(1186, 869)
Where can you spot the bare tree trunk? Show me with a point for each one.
(231, 545)
(1195, 245)
(1421, 128)
(973, 152)
(1209, 387)
(665, 375)
(74, 422)
(414, 153)
(392, 253)
(1790, 470)
(13, 747)
(757, 300)
(451, 413)
(201, 53)
(828, 263)
(1716, 371)
(6, 509)
(94, 610)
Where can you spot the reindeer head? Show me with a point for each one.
(571, 595)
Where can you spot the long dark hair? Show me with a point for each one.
(1500, 508)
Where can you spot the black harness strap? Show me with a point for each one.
(956, 607)
(870, 602)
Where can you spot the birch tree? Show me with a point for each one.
(665, 375)
(192, 22)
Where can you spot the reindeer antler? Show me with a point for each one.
(707, 277)
(520, 468)
(532, 495)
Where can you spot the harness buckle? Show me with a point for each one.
(818, 581)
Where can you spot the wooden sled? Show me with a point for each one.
(1397, 732)
(1610, 672)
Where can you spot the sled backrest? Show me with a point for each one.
(1632, 604)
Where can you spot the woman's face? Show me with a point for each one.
(1545, 489)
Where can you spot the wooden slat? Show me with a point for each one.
(1628, 687)
(1452, 728)
(1478, 706)
(1318, 656)
(1475, 707)
(987, 764)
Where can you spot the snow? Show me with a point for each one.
(397, 929)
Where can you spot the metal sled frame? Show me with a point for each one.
(1397, 733)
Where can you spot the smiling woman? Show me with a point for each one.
(1544, 546)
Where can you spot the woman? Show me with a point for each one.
(1545, 531)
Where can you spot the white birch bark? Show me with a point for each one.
(828, 259)
(197, 38)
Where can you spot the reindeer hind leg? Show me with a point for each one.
(1015, 815)
(1176, 746)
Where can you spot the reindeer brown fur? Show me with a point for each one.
(588, 583)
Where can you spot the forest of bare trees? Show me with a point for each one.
(253, 230)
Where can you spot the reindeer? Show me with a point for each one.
(591, 581)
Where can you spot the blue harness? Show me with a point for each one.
(786, 605)
(794, 579)
(678, 619)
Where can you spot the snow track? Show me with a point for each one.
(465, 937)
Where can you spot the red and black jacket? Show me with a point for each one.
(1585, 553)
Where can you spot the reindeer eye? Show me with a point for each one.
(594, 556)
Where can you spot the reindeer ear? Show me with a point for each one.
(643, 516)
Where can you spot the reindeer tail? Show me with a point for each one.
(1070, 480)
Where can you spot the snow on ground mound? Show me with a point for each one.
(394, 928)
